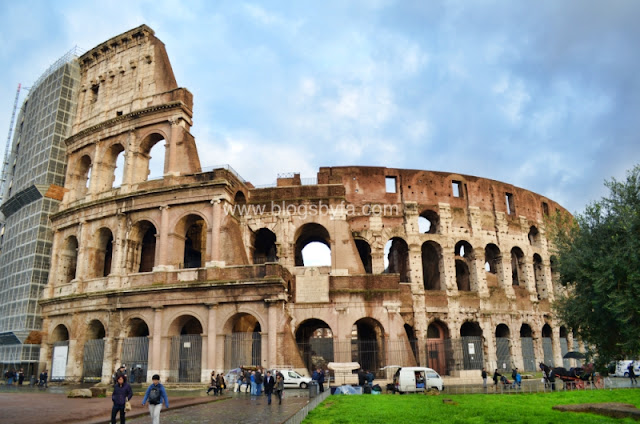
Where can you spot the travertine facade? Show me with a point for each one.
(200, 271)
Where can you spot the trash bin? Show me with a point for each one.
(313, 388)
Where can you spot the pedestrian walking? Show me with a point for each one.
(496, 378)
(269, 384)
(279, 388)
(44, 376)
(20, 377)
(484, 378)
(156, 395)
(632, 374)
(122, 394)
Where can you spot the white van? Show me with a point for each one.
(294, 380)
(416, 379)
(622, 368)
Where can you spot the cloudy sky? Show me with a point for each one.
(544, 95)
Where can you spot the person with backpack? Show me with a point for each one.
(156, 395)
(122, 393)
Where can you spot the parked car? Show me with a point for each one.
(622, 368)
(294, 380)
(416, 379)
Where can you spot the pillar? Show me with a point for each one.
(162, 247)
(212, 334)
(155, 353)
(214, 235)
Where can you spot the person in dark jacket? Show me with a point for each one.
(362, 377)
(496, 378)
(121, 394)
(155, 408)
(269, 384)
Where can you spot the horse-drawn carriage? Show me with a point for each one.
(573, 378)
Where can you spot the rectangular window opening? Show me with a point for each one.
(456, 186)
(545, 208)
(510, 206)
(390, 184)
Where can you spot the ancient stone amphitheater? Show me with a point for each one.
(199, 270)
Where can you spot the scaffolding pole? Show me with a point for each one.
(7, 147)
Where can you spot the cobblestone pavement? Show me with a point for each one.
(28, 405)
(240, 408)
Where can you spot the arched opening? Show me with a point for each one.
(264, 246)
(547, 345)
(439, 352)
(186, 350)
(555, 275)
(141, 247)
(239, 198)
(364, 250)
(148, 250)
(367, 344)
(243, 342)
(397, 258)
(93, 356)
(564, 347)
(431, 265)
(68, 260)
(113, 166)
(135, 349)
(313, 246)
(538, 274)
(60, 340)
(534, 236)
(464, 260)
(156, 164)
(517, 267)
(472, 346)
(195, 241)
(528, 354)
(492, 264)
(503, 352)
(83, 176)
(315, 344)
(102, 253)
(413, 342)
(462, 276)
(428, 222)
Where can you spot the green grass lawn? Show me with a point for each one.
(505, 408)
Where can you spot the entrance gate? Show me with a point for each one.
(242, 349)
(135, 354)
(503, 354)
(186, 357)
(92, 360)
(472, 355)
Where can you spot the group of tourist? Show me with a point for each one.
(12, 376)
(258, 381)
(155, 396)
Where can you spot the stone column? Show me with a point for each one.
(264, 339)
(272, 308)
(118, 265)
(212, 334)
(155, 351)
(107, 361)
(214, 235)
(82, 267)
(171, 148)
(557, 350)
(163, 247)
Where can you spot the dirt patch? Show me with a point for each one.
(612, 409)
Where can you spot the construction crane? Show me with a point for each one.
(7, 147)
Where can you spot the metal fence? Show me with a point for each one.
(547, 350)
(528, 354)
(242, 349)
(135, 353)
(93, 360)
(503, 353)
(186, 357)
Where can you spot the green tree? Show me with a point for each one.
(598, 263)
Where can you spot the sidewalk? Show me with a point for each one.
(25, 405)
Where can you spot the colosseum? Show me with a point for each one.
(200, 270)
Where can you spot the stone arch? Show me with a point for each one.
(538, 274)
(93, 352)
(314, 338)
(95, 330)
(397, 258)
(517, 267)
(145, 159)
(429, 222)
(503, 351)
(465, 256)
(526, 343)
(472, 345)
(135, 347)
(110, 176)
(431, 265)
(264, 246)
(534, 236)
(137, 327)
(438, 355)
(368, 344)
(186, 349)
(364, 251)
(243, 340)
(309, 234)
(101, 253)
(81, 177)
(141, 246)
(492, 264)
(191, 230)
(68, 260)
(59, 334)
(547, 344)
(239, 198)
